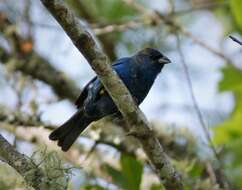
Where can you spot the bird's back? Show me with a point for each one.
(138, 76)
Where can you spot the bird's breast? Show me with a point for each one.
(140, 84)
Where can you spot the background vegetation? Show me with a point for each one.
(195, 106)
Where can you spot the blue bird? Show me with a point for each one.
(138, 73)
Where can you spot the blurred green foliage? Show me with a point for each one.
(230, 16)
(130, 172)
(113, 11)
(228, 134)
(128, 176)
(236, 8)
(93, 187)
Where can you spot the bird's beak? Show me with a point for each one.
(164, 60)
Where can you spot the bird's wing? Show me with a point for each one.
(95, 87)
(80, 100)
(120, 61)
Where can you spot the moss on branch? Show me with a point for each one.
(22, 164)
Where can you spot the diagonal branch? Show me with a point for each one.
(107, 41)
(22, 164)
(236, 40)
(17, 118)
(118, 91)
(159, 18)
(32, 64)
(223, 183)
(27, 127)
(40, 69)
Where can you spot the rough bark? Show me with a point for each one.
(22, 164)
(139, 127)
(107, 41)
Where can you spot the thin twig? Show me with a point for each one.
(198, 111)
(117, 27)
(167, 20)
(203, 6)
(194, 100)
(204, 45)
(92, 149)
(236, 40)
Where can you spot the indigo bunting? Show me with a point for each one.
(138, 73)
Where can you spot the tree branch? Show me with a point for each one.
(31, 129)
(117, 27)
(107, 41)
(222, 183)
(118, 91)
(236, 40)
(22, 164)
(32, 64)
(18, 118)
(159, 18)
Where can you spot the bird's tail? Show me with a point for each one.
(67, 133)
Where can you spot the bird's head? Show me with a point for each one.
(153, 56)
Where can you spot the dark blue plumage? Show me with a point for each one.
(138, 74)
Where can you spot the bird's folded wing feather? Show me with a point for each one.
(95, 87)
(84, 93)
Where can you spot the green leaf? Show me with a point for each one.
(93, 187)
(236, 8)
(232, 80)
(229, 133)
(132, 171)
(231, 128)
(129, 177)
(156, 187)
(195, 169)
(235, 147)
(116, 175)
(109, 11)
